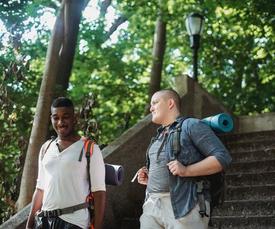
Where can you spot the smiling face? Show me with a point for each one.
(63, 121)
(159, 108)
(165, 107)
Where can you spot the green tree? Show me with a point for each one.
(113, 63)
(18, 92)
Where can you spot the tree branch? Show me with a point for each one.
(85, 4)
(104, 6)
(115, 25)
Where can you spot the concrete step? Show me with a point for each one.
(243, 222)
(250, 192)
(250, 143)
(251, 147)
(257, 166)
(254, 155)
(246, 137)
(242, 179)
(245, 208)
(259, 148)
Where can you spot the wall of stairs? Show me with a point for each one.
(250, 194)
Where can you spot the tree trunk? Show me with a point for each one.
(55, 68)
(72, 17)
(158, 56)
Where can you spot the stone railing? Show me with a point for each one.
(17, 221)
(255, 123)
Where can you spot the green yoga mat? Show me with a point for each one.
(221, 123)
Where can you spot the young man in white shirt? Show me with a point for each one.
(63, 179)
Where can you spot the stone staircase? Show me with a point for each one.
(250, 193)
(250, 196)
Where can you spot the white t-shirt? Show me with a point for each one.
(64, 179)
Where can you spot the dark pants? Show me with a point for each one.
(57, 223)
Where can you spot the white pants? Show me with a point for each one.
(158, 214)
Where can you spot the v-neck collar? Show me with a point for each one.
(61, 151)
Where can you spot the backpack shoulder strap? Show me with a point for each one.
(176, 140)
(176, 137)
(49, 142)
(87, 148)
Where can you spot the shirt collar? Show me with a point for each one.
(172, 125)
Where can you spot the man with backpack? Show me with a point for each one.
(179, 158)
(67, 181)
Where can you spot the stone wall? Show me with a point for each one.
(255, 123)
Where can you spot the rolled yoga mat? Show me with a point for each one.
(114, 174)
(221, 123)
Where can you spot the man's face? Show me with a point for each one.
(159, 108)
(63, 120)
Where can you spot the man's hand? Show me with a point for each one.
(35, 207)
(99, 203)
(176, 168)
(207, 166)
(142, 175)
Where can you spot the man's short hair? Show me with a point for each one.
(62, 102)
(172, 94)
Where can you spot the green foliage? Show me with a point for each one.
(21, 66)
(115, 80)
(17, 98)
(236, 64)
(238, 59)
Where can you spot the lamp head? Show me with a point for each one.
(194, 24)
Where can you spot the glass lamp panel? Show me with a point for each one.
(194, 24)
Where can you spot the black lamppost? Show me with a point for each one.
(194, 25)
